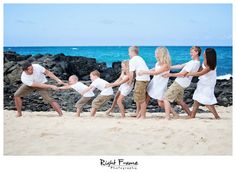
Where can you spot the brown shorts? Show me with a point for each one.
(100, 100)
(140, 90)
(174, 93)
(82, 101)
(25, 90)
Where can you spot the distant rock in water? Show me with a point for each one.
(63, 66)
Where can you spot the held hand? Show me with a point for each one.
(60, 82)
(141, 72)
(54, 87)
(188, 74)
(108, 85)
(166, 75)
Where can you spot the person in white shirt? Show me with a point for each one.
(123, 90)
(73, 83)
(158, 85)
(176, 91)
(137, 64)
(105, 95)
(33, 78)
(204, 93)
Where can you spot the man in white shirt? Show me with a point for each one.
(137, 64)
(105, 95)
(176, 91)
(33, 78)
(74, 83)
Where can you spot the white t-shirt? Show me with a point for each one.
(191, 66)
(38, 75)
(80, 87)
(100, 84)
(136, 64)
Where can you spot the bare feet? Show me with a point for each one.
(18, 114)
(108, 112)
(218, 117)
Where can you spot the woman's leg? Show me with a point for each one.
(213, 110)
(195, 108)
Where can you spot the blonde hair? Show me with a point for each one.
(126, 63)
(74, 77)
(134, 49)
(95, 73)
(165, 56)
(197, 49)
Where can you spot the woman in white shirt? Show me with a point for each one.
(204, 93)
(158, 85)
(123, 90)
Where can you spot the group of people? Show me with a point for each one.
(135, 73)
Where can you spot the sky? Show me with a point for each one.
(117, 24)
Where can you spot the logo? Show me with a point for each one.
(119, 164)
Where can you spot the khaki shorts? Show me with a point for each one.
(25, 90)
(174, 93)
(140, 90)
(82, 101)
(100, 100)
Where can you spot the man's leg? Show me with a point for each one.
(56, 107)
(45, 95)
(167, 108)
(22, 91)
(143, 108)
(18, 103)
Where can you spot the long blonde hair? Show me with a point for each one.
(165, 56)
(126, 64)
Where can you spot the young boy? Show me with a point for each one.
(137, 64)
(176, 90)
(79, 87)
(105, 95)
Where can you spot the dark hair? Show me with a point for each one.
(25, 65)
(211, 58)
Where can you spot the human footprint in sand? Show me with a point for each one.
(204, 93)
(33, 78)
(123, 90)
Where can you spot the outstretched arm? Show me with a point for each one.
(87, 89)
(179, 66)
(199, 73)
(118, 82)
(66, 87)
(180, 74)
(43, 85)
(155, 72)
(52, 76)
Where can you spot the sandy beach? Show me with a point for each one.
(44, 133)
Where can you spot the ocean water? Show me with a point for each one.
(109, 54)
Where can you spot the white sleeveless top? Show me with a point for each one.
(125, 88)
(204, 93)
(158, 85)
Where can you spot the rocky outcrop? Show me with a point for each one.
(64, 66)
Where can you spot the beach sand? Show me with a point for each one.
(44, 133)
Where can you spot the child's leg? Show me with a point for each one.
(143, 108)
(161, 104)
(121, 106)
(184, 107)
(113, 104)
(147, 99)
(213, 110)
(93, 112)
(195, 108)
(78, 112)
(137, 110)
(167, 108)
